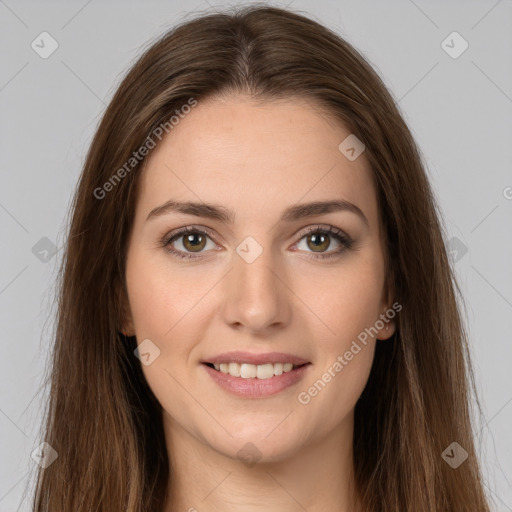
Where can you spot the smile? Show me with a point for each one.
(255, 381)
(255, 371)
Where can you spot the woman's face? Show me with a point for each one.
(258, 278)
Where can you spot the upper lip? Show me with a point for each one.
(256, 359)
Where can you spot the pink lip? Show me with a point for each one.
(256, 388)
(250, 358)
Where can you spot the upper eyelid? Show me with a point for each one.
(187, 229)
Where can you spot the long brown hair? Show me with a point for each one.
(103, 420)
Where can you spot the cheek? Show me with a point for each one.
(329, 398)
(345, 301)
(348, 303)
(162, 306)
(345, 354)
(168, 308)
(160, 296)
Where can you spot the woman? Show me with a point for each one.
(256, 309)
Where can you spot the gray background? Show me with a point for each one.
(459, 110)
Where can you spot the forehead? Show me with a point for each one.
(255, 158)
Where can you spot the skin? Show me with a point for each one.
(257, 159)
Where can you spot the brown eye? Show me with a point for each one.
(318, 242)
(188, 243)
(323, 242)
(194, 242)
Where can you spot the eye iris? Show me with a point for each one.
(193, 239)
(321, 238)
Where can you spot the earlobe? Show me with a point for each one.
(127, 328)
(387, 331)
(127, 325)
(126, 319)
(388, 328)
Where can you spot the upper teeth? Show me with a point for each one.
(250, 371)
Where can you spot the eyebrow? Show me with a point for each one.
(292, 213)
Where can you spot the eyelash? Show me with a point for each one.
(346, 242)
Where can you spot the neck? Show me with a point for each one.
(315, 478)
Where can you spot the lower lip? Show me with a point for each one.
(257, 388)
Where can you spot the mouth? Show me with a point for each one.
(248, 380)
(254, 371)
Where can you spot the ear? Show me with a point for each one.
(388, 326)
(126, 326)
(386, 323)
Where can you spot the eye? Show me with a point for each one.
(320, 238)
(192, 240)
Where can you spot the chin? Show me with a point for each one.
(255, 446)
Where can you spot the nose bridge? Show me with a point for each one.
(256, 297)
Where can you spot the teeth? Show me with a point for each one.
(251, 371)
(234, 369)
(248, 371)
(264, 371)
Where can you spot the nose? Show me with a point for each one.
(257, 295)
